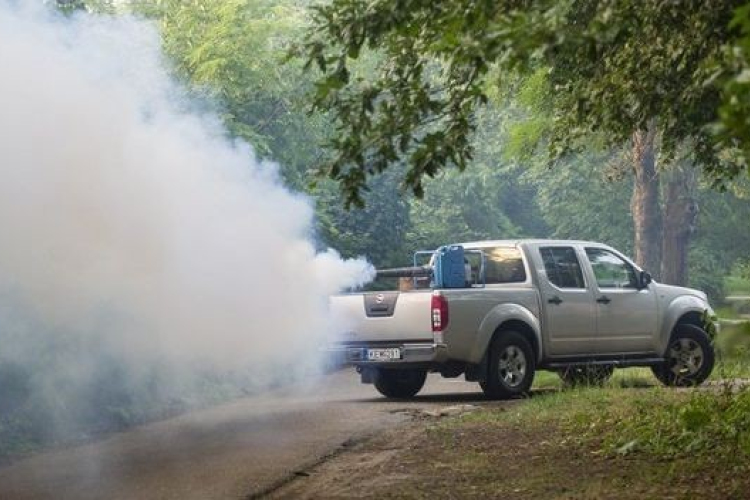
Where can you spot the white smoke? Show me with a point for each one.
(131, 225)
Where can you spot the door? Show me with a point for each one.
(568, 304)
(626, 316)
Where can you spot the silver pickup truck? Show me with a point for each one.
(579, 308)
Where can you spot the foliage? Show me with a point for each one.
(232, 54)
(658, 422)
(707, 271)
(704, 424)
(579, 202)
(614, 65)
(377, 231)
(460, 208)
(418, 98)
(712, 256)
(619, 65)
(734, 344)
(739, 283)
(492, 200)
(733, 129)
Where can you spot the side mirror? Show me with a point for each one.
(644, 279)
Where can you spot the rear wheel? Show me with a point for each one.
(400, 384)
(689, 359)
(575, 376)
(511, 367)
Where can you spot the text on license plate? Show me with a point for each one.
(383, 354)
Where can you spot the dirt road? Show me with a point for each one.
(237, 450)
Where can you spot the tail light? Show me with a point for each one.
(439, 313)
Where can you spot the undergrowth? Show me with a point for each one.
(701, 423)
(708, 423)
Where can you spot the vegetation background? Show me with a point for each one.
(530, 148)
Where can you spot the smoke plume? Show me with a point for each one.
(133, 233)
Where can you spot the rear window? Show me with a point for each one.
(502, 265)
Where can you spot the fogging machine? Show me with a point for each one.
(447, 267)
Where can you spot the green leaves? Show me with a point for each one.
(612, 65)
(703, 424)
(733, 73)
(235, 53)
(417, 107)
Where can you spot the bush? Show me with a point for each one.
(707, 423)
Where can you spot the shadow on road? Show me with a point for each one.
(457, 397)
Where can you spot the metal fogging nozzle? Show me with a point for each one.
(405, 272)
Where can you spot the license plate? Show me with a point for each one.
(383, 354)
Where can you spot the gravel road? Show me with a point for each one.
(237, 450)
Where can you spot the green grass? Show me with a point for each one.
(633, 412)
(656, 422)
(632, 438)
(546, 380)
(733, 349)
(737, 285)
(626, 377)
(727, 312)
(633, 442)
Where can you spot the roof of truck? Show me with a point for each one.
(516, 242)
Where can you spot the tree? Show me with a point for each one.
(615, 65)
(642, 74)
(378, 230)
(232, 55)
(648, 80)
(733, 129)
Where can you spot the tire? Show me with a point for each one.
(400, 384)
(586, 375)
(689, 359)
(511, 367)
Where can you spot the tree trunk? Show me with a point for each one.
(679, 221)
(644, 205)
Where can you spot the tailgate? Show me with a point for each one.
(383, 316)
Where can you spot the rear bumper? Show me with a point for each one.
(411, 353)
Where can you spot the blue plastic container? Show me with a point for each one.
(449, 270)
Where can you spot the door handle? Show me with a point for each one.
(604, 299)
(555, 300)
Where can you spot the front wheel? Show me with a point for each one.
(400, 384)
(511, 367)
(689, 359)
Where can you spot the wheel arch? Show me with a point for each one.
(507, 317)
(522, 328)
(682, 310)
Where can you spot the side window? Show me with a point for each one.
(610, 270)
(502, 265)
(562, 266)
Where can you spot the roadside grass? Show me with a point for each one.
(608, 442)
(733, 351)
(727, 312)
(737, 285)
(627, 377)
(631, 438)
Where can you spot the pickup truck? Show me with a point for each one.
(578, 308)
